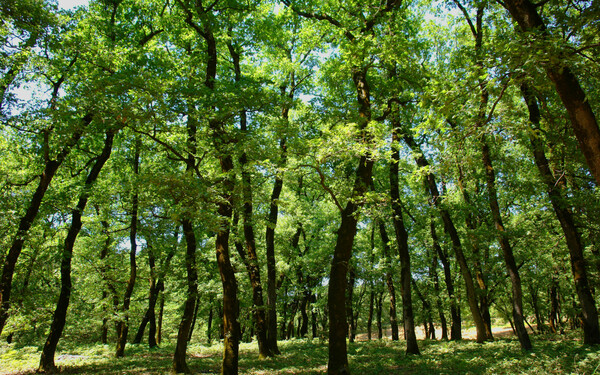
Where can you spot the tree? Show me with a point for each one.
(59, 317)
(583, 119)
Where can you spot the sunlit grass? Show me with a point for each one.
(551, 355)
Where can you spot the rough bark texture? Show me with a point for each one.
(591, 328)
(60, 313)
(567, 86)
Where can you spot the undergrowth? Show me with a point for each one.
(551, 355)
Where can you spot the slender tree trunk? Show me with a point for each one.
(509, 259)
(60, 313)
(455, 327)
(26, 221)
(161, 310)
(209, 325)
(472, 227)
(149, 315)
(438, 301)
(554, 315)
(389, 279)
(379, 311)
(427, 318)
(541, 326)
(591, 328)
(454, 237)
(179, 358)
(123, 325)
(338, 356)
(252, 265)
(349, 303)
(270, 247)
(402, 241)
(103, 272)
(567, 86)
(270, 235)
(191, 332)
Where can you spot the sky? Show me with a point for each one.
(68, 4)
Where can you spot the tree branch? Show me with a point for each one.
(327, 189)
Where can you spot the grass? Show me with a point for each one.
(551, 355)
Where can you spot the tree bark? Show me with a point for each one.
(183, 333)
(60, 313)
(350, 306)
(591, 329)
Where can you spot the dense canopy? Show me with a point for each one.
(257, 170)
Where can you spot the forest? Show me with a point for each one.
(299, 186)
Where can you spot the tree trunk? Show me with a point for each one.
(591, 329)
(60, 313)
(455, 327)
(270, 248)
(509, 259)
(427, 318)
(379, 311)
(27, 220)
(179, 357)
(472, 227)
(454, 237)
(402, 241)
(123, 325)
(161, 310)
(252, 265)
(191, 332)
(389, 279)
(438, 301)
(338, 356)
(103, 274)
(149, 316)
(568, 88)
(349, 304)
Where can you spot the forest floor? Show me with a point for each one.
(552, 354)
